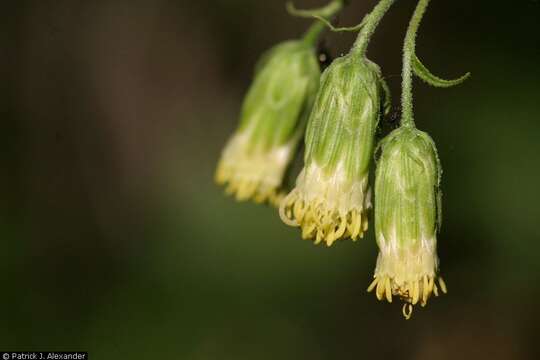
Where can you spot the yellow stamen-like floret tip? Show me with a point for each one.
(411, 292)
(321, 223)
(244, 189)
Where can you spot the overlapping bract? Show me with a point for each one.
(272, 123)
(407, 217)
(331, 197)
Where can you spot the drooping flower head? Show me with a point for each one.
(331, 197)
(272, 122)
(407, 218)
(274, 114)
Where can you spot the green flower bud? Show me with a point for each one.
(407, 218)
(272, 122)
(331, 197)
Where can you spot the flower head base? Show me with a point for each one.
(411, 289)
(253, 175)
(327, 207)
(273, 119)
(331, 197)
(407, 218)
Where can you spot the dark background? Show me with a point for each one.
(114, 239)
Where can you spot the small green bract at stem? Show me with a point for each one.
(413, 65)
(423, 73)
(407, 217)
(273, 118)
(331, 197)
(321, 14)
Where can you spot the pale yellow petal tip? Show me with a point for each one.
(253, 173)
(220, 175)
(411, 293)
(246, 189)
(320, 222)
(251, 191)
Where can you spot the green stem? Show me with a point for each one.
(409, 46)
(371, 21)
(312, 35)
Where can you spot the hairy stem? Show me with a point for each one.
(371, 21)
(409, 47)
(312, 35)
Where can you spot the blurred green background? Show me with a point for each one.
(114, 239)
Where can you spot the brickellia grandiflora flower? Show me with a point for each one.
(408, 205)
(273, 117)
(407, 217)
(332, 197)
(339, 112)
